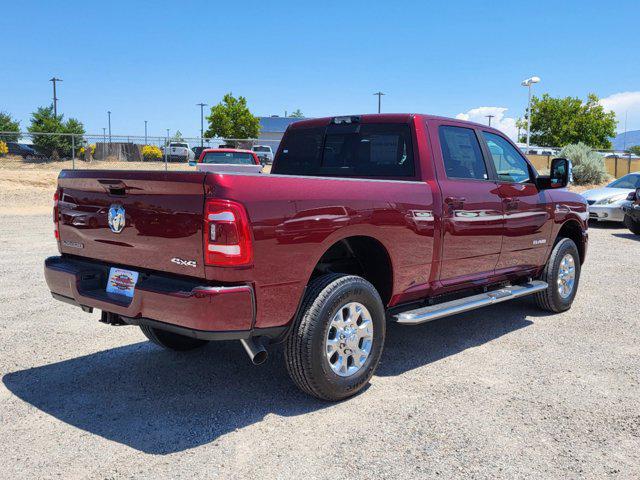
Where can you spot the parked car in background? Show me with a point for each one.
(605, 203)
(179, 152)
(264, 152)
(228, 156)
(400, 217)
(631, 211)
(23, 150)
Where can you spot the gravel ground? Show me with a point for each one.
(504, 392)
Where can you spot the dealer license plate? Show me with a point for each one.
(121, 281)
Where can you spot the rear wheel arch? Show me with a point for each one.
(360, 255)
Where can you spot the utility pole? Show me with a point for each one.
(489, 117)
(166, 153)
(55, 98)
(202, 105)
(109, 117)
(145, 132)
(379, 94)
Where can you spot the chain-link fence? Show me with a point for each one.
(60, 150)
(57, 151)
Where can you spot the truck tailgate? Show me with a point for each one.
(162, 214)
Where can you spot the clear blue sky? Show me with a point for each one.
(155, 60)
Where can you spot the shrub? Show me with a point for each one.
(151, 152)
(588, 166)
(3, 148)
(93, 150)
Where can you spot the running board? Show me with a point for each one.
(433, 312)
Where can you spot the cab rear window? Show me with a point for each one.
(352, 150)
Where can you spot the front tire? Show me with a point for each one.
(170, 340)
(631, 224)
(336, 340)
(562, 273)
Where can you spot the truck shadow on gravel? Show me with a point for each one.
(162, 402)
(628, 236)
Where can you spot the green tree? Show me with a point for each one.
(8, 124)
(44, 121)
(231, 118)
(556, 122)
(177, 137)
(635, 150)
(521, 125)
(297, 114)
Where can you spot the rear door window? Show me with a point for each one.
(462, 154)
(360, 150)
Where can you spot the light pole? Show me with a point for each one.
(489, 117)
(55, 98)
(145, 132)
(379, 94)
(527, 83)
(202, 105)
(109, 118)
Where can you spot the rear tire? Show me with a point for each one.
(316, 350)
(170, 340)
(562, 267)
(632, 224)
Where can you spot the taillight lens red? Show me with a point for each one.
(227, 235)
(56, 219)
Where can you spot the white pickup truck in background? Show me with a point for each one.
(264, 152)
(179, 152)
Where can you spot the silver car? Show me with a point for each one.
(606, 203)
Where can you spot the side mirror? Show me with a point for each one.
(192, 163)
(560, 173)
(638, 196)
(559, 176)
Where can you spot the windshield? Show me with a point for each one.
(261, 149)
(229, 158)
(183, 145)
(628, 181)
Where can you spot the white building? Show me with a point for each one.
(272, 129)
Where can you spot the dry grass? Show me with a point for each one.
(26, 187)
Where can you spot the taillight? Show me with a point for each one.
(227, 235)
(56, 219)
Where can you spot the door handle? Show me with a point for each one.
(455, 203)
(511, 203)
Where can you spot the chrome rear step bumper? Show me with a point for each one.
(433, 312)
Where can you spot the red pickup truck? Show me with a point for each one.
(363, 219)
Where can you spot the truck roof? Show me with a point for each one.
(378, 118)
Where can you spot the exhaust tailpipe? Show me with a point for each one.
(256, 351)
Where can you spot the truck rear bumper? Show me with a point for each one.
(174, 303)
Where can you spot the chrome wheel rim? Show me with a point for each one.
(566, 275)
(349, 339)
